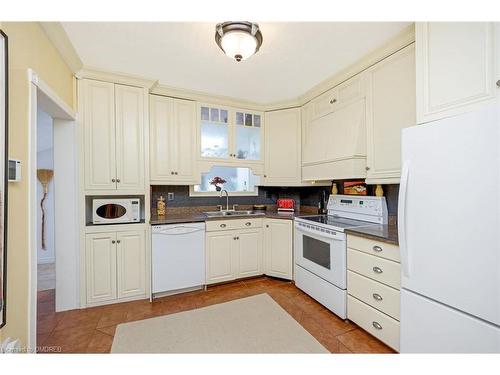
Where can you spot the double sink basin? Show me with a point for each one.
(231, 213)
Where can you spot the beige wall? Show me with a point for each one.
(29, 47)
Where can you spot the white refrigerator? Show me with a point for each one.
(449, 235)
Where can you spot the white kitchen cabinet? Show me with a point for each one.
(283, 148)
(278, 248)
(172, 146)
(98, 107)
(230, 135)
(100, 264)
(455, 65)
(113, 122)
(249, 250)
(334, 146)
(390, 107)
(129, 112)
(221, 255)
(131, 264)
(115, 264)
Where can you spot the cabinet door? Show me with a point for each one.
(249, 252)
(248, 136)
(390, 107)
(100, 262)
(214, 132)
(183, 142)
(131, 263)
(455, 68)
(98, 105)
(278, 248)
(282, 156)
(129, 137)
(160, 138)
(221, 256)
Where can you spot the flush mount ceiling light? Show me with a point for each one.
(239, 40)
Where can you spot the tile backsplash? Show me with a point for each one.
(305, 196)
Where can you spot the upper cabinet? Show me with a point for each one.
(334, 133)
(113, 126)
(390, 106)
(230, 135)
(172, 149)
(455, 63)
(282, 156)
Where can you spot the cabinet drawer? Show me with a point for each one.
(374, 247)
(374, 322)
(215, 225)
(324, 104)
(385, 271)
(375, 294)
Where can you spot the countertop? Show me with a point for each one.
(199, 217)
(385, 233)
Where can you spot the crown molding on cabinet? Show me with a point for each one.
(115, 77)
(56, 34)
(400, 41)
(199, 96)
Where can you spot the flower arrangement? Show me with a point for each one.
(216, 181)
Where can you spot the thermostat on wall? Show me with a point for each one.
(14, 170)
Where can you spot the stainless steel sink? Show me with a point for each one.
(233, 213)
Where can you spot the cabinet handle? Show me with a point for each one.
(234, 238)
(113, 180)
(267, 225)
(377, 270)
(248, 224)
(377, 297)
(265, 176)
(172, 172)
(117, 180)
(118, 241)
(113, 241)
(367, 168)
(223, 225)
(498, 83)
(377, 325)
(237, 238)
(333, 101)
(376, 248)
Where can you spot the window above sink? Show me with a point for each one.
(239, 181)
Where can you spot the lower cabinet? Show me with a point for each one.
(115, 266)
(373, 282)
(278, 245)
(234, 252)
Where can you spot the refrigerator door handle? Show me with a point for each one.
(402, 218)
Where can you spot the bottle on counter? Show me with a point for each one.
(161, 206)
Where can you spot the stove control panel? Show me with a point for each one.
(368, 208)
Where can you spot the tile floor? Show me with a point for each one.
(91, 330)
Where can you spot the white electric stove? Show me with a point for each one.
(320, 247)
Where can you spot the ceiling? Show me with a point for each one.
(293, 58)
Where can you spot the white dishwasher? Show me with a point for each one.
(178, 257)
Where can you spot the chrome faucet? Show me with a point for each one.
(227, 198)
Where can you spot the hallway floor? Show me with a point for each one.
(46, 276)
(92, 330)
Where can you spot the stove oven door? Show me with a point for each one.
(322, 252)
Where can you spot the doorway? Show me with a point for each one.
(53, 177)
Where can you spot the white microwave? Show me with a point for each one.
(116, 211)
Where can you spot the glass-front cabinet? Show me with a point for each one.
(228, 134)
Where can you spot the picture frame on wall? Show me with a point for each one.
(4, 105)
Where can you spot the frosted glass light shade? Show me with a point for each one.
(238, 45)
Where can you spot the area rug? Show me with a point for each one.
(254, 324)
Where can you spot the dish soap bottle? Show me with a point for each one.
(160, 206)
